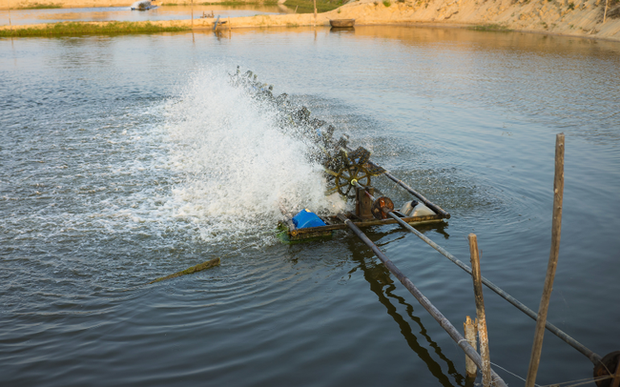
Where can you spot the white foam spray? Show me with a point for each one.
(238, 166)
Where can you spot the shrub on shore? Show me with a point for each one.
(307, 6)
(41, 6)
(85, 28)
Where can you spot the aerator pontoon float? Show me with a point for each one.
(348, 172)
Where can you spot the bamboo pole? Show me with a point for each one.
(556, 228)
(418, 195)
(192, 8)
(594, 358)
(469, 327)
(426, 304)
(424, 200)
(605, 13)
(480, 313)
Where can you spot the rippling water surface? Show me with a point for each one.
(124, 159)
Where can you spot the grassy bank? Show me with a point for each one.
(307, 6)
(490, 27)
(40, 6)
(85, 28)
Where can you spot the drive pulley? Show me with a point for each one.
(348, 168)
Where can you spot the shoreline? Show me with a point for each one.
(556, 17)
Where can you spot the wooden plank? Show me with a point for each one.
(374, 222)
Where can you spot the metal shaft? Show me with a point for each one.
(594, 358)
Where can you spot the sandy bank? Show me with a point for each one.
(578, 18)
(565, 17)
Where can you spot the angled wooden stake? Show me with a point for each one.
(482, 319)
(556, 228)
(470, 335)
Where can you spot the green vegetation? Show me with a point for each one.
(40, 6)
(571, 6)
(490, 27)
(306, 6)
(387, 3)
(85, 28)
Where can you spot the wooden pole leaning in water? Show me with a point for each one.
(426, 304)
(556, 228)
(191, 270)
(481, 314)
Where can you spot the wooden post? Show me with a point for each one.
(9, 10)
(192, 14)
(482, 320)
(470, 335)
(314, 12)
(363, 203)
(556, 228)
(605, 13)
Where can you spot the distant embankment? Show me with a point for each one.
(26, 4)
(586, 18)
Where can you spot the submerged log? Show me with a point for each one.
(191, 270)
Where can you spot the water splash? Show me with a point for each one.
(239, 165)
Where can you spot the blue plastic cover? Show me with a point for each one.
(305, 219)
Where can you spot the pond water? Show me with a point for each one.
(125, 14)
(128, 158)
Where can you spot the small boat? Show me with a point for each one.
(342, 23)
(142, 5)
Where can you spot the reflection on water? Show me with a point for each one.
(35, 16)
(383, 286)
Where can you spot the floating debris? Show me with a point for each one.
(191, 270)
